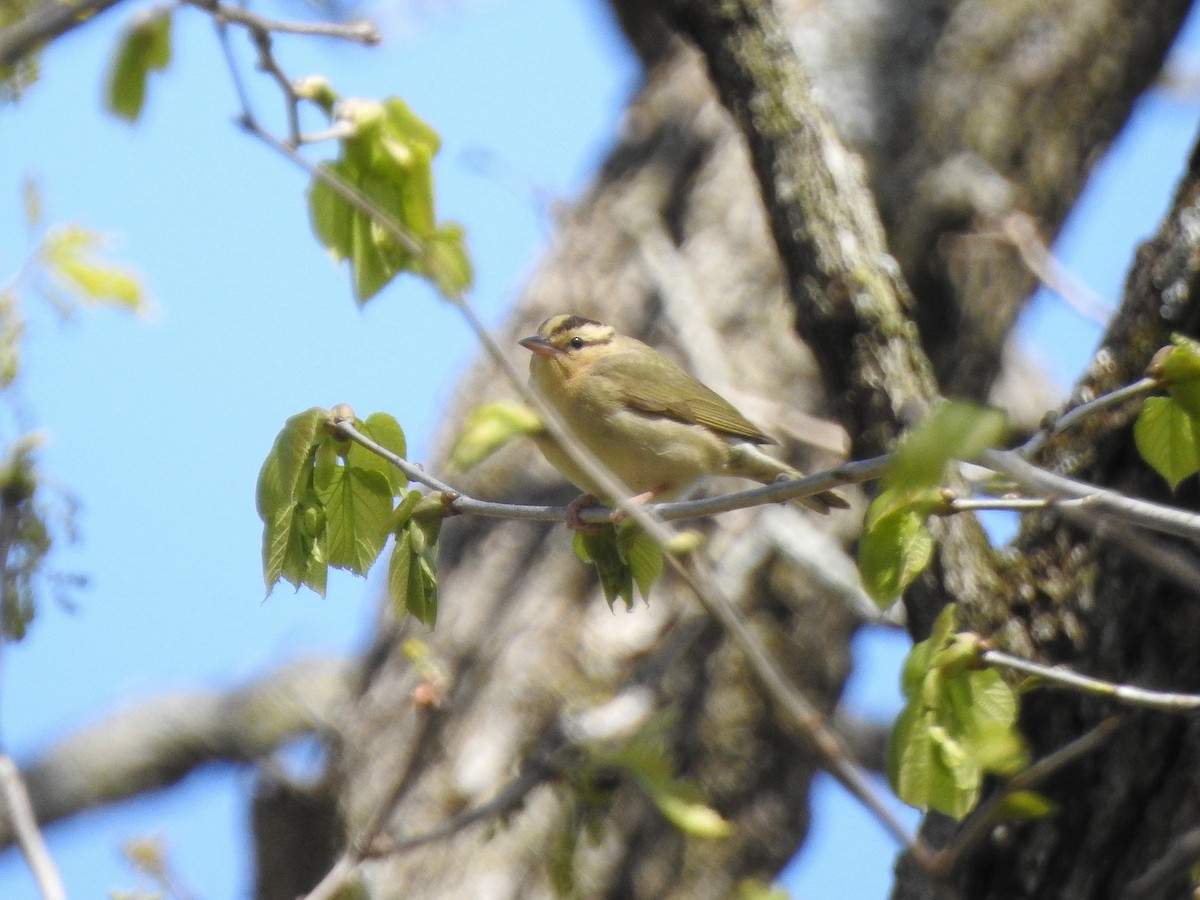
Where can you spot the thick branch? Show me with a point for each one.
(156, 744)
(46, 22)
(852, 305)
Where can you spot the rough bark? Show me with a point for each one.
(1093, 606)
(673, 243)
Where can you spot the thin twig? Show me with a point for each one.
(1001, 504)
(1166, 874)
(986, 814)
(1163, 701)
(1073, 416)
(1113, 504)
(360, 31)
(267, 63)
(795, 489)
(533, 774)
(1020, 229)
(25, 826)
(513, 794)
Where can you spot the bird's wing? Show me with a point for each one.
(672, 392)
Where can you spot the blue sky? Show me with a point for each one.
(159, 426)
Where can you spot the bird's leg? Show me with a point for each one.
(575, 507)
(583, 501)
(641, 500)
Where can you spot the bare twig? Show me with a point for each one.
(986, 814)
(535, 773)
(1162, 877)
(1020, 230)
(1075, 415)
(360, 31)
(343, 872)
(795, 489)
(1163, 701)
(25, 828)
(1096, 499)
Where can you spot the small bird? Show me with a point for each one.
(655, 427)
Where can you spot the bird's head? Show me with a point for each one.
(573, 342)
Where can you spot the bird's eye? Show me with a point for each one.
(577, 343)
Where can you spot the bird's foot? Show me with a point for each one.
(639, 500)
(575, 507)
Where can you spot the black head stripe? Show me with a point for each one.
(570, 323)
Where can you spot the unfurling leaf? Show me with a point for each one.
(623, 555)
(386, 161)
(954, 430)
(328, 502)
(896, 545)
(488, 428)
(69, 256)
(412, 576)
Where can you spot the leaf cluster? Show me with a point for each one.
(386, 158)
(958, 724)
(624, 556)
(327, 502)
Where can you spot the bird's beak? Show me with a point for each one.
(539, 345)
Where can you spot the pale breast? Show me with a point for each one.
(646, 452)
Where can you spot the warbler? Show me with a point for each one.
(650, 423)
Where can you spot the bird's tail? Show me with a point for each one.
(747, 461)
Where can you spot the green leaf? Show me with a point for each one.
(894, 550)
(643, 556)
(447, 263)
(412, 579)
(1166, 437)
(600, 549)
(1181, 372)
(680, 804)
(145, 46)
(404, 510)
(488, 428)
(409, 127)
(69, 256)
(281, 477)
(293, 521)
(386, 431)
(958, 724)
(358, 510)
(329, 213)
(1021, 806)
(954, 430)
